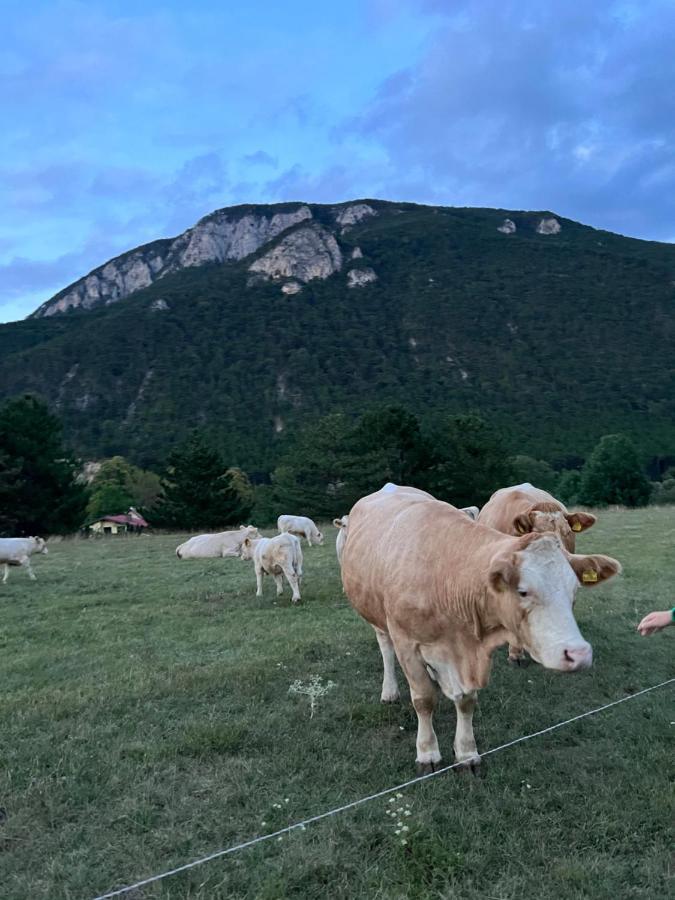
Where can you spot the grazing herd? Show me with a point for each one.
(442, 588)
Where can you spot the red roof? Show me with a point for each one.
(136, 519)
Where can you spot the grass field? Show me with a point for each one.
(145, 720)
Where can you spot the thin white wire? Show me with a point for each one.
(362, 800)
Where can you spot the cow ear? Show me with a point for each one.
(337, 523)
(580, 521)
(522, 524)
(247, 542)
(592, 570)
(504, 573)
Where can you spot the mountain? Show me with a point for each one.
(260, 318)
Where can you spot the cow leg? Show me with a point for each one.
(31, 573)
(389, 686)
(279, 581)
(424, 694)
(466, 751)
(6, 575)
(294, 582)
(259, 580)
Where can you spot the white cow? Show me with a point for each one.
(18, 551)
(341, 525)
(274, 556)
(302, 526)
(214, 546)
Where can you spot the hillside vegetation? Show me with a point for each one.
(556, 338)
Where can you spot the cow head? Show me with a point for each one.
(318, 538)
(250, 531)
(40, 545)
(246, 549)
(565, 525)
(534, 589)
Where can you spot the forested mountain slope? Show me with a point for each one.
(555, 331)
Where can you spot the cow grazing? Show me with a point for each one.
(18, 551)
(522, 509)
(341, 524)
(442, 592)
(275, 556)
(214, 546)
(301, 526)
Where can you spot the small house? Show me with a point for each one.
(131, 522)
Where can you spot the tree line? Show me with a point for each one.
(331, 463)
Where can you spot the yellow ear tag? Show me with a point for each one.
(590, 576)
(576, 526)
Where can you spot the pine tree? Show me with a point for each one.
(470, 462)
(199, 491)
(613, 474)
(39, 493)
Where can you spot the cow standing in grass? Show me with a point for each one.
(275, 556)
(522, 509)
(442, 592)
(342, 525)
(18, 551)
(300, 526)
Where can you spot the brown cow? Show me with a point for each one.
(442, 592)
(524, 508)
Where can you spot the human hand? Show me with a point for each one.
(655, 621)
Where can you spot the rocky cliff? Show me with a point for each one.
(306, 250)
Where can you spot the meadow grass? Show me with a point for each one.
(145, 720)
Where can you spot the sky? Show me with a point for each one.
(123, 122)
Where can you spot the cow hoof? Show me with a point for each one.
(390, 698)
(426, 768)
(472, 766)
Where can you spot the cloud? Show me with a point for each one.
(260, 158)
(523, 104)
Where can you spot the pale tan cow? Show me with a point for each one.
(442, 592)
(215, 546)
(342, 525)
(300, 526)
(523, 508)
(274, 556)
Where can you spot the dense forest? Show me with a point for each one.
(555, 339)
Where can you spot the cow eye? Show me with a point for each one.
(522, 592)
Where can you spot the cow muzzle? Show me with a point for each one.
(577, 657)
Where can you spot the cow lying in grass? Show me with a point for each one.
(214, 546)
(442, 592)
(275, 556)
(18, 551)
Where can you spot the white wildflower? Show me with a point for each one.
(313, 689)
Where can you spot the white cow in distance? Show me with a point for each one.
(18, 551)
(301, 526)
(341, 524)
(214, 546)
(275, 556)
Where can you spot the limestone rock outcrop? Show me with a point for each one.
(548, 226)
(306, 253)
(361, 277)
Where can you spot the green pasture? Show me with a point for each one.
(146, 720)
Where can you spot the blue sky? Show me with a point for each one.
(127, 121)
